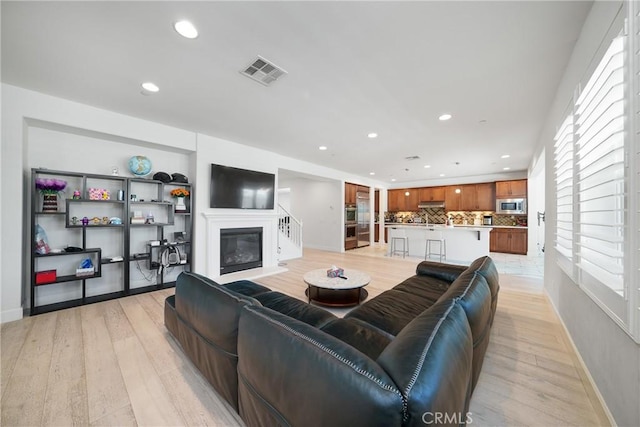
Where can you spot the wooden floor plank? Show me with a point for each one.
(106, 392)
(66, 398)
(196, 400)
(12, 338)
(123, 417)
(150, 401)
(153, 340)
(23, 402)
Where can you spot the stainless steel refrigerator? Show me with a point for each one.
(363, 219)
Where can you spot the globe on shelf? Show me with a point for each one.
(140, 165)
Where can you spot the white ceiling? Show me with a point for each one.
(353, 68)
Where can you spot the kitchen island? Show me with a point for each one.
(464, 243)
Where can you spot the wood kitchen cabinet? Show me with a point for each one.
(511, 189)
(508, 240)
(350, 193)
(486, 196)
(468, 197)
(411, 200)
(398, 201)
(477, 197)
(431, 194)
(452, 200)
(393, 200)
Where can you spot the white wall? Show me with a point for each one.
(611, 356)
(319, 204)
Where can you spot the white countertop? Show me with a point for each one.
(418, 224)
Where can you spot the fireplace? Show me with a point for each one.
(240, 249)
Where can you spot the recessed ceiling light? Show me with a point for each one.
(372, 173)
(427, 166)
(441, 174)
(505, 156)
(372, 135)
(406, 193)
(150, 87)
(445, 117)
(186, 29)
(506, 169)
(322, 148)
(393, 180)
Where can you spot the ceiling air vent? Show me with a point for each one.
(263, 71)
(412, 158)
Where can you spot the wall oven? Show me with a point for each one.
(350, 232)
(511, 206)
(350, 214)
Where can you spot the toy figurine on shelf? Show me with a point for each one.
(85, 221)
(76, 195)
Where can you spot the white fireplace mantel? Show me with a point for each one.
(218, 220)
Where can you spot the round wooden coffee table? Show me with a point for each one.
(336, 291)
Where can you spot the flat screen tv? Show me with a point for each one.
(234, 188)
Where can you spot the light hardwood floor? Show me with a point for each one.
(114, 363)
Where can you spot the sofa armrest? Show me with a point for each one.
(431, 362)
(281, 358)
(211, 309)
(448, 272)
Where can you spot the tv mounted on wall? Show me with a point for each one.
(235, 188)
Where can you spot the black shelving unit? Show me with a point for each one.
(63, 226)
(160, 199)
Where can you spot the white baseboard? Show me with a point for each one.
(608, 413)
(11, 315)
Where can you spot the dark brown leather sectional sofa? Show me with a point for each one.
(401, 358)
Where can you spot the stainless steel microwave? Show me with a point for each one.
(511, 206)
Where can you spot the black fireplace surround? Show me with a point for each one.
(240, 249)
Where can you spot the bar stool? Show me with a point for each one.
(397, 235)
(435, 236)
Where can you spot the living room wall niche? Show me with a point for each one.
(64, 148)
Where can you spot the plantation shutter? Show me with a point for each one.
(563, 165)
(600, 172)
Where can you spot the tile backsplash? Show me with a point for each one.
(439, 216)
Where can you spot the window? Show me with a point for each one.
(600, 172)
(594, 188)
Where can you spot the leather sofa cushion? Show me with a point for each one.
(474, 297)
(292, 374)
(210, 309)
(446, 272)
(361, 335)
(295, 308)
(247, 287)
(487, 268)
(430, 362)
(425, 287)
(390, 311)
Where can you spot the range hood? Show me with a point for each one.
(434, 204)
